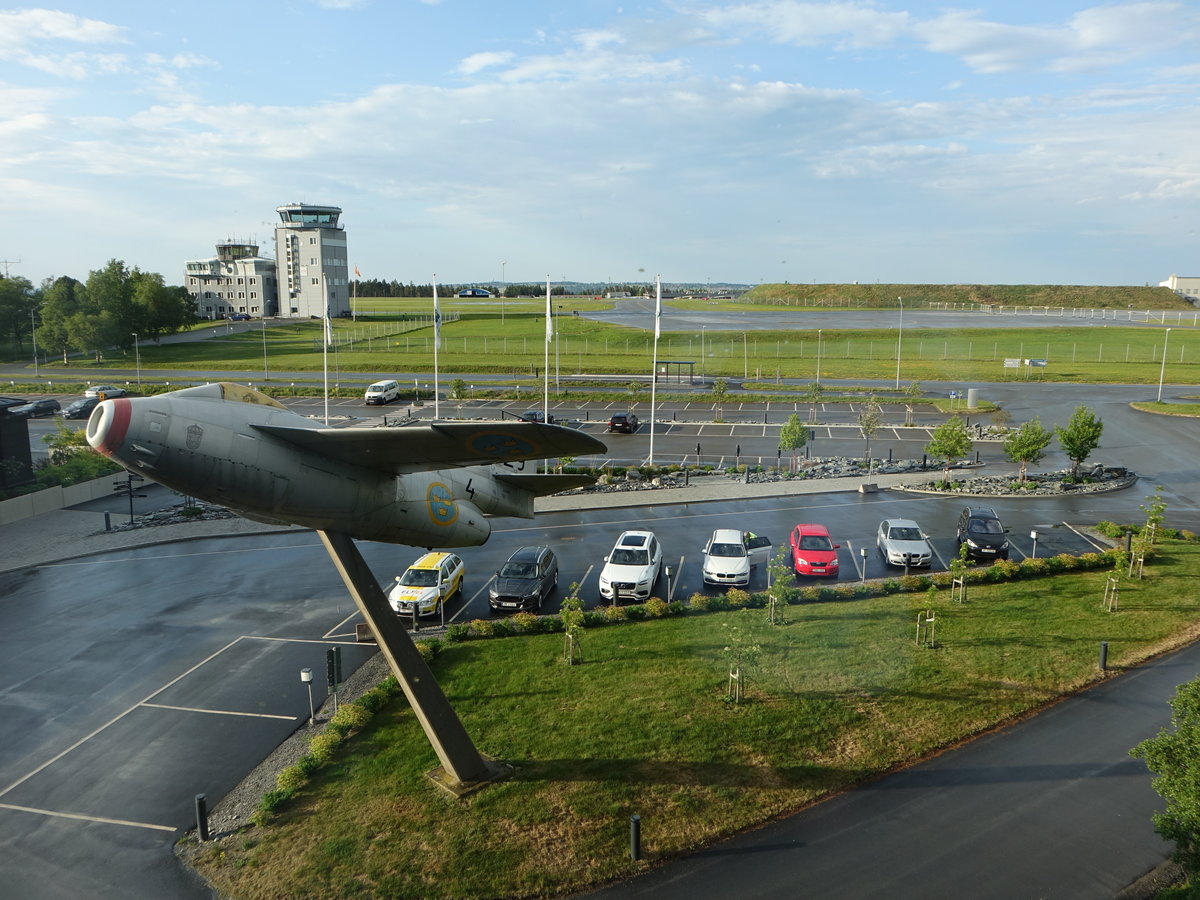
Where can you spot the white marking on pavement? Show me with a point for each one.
(82, 818)
(219, 712)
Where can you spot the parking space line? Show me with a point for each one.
(223, 552)
(288, 640)
(1099, 547)
(82, 818)
(219, 712)
(332, 632)
(83, 740)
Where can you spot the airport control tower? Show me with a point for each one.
(310, 243)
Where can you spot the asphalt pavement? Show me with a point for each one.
(1048, 807)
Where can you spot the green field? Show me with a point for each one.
(837, 693)
(1071, 296)
(480, 339)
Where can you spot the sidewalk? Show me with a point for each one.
(72, 533)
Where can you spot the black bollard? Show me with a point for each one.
(635, 836)
(202, 817)
(1103, 656)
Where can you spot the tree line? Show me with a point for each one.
(106, 311)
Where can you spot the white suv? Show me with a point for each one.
(632, 568)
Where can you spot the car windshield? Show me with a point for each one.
(419, 578)
(817, 542)
(905, 533)
(518, 570)
(726, 550)
(985, 526)
(624, 556)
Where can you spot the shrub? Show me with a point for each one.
(350, 716)
(429, 649)
(942, 579)
(307, 764)
(458, 631)
(525, 622)
(322, 746)
(827, 593)
(699, 602)
(1035, 566)
(890, 586)
(268, 806)
(914, 583)
(738, 598)
(655, 607)
(1002, 570)
(482, 627)
(1185, 535)
(636, 612)
(291, 780)
(615, 613)
(1066, 562)
(503, 628)
(593, 618)
(676, 608)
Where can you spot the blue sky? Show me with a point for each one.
(763, 140)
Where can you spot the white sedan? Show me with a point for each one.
(902, 543)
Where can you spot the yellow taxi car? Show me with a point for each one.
(427, 584)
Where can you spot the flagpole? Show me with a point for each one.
(546, 364)
(654, 365)
(437, 340)
(326, 328)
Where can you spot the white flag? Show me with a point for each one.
(657, 307)
(549, 314)
(328, 329)
(437, 318)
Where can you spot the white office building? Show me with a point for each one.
(236, 280)
(1187, 287)
(309, 244)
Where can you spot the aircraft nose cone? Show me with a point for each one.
(108, 425)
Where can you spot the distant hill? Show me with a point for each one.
(884, 295)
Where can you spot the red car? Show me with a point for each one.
(813, 553)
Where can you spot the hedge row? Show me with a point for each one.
(1000, 571)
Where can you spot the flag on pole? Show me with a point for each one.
(357, 274)
(549, 314)
(437, 318)
(657, 307)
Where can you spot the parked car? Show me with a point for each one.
(730, 554)
(35, 409)
(813, 553)
(427, 584)
(474, 292)
(901, 542)
(982, 531)
(537, 416)
(625, 422)
(525, 580)
(632, 568)
(239, 317)
(104, 391)
(80, 409)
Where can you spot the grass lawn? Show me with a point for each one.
(1187, 410)
(836, 694)
(481, 340)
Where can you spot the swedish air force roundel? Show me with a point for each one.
(501, 445)
(442, 508)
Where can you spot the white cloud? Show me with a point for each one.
(33, 38)
(477, 62)
(812, 24)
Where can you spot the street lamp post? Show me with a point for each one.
(264, 335)
(33, 336)
(503, 288)
(702, 329)
(899, 338)
(137, 358)
(1163, 368)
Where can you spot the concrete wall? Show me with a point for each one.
(57, 497)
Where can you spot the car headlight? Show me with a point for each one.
(972, 544)
(493, 593)
(800, 561)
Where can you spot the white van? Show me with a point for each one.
(382, 392)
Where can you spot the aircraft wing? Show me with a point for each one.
(441, 444)
(544, 485)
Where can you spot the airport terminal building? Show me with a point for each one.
(235, 281)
